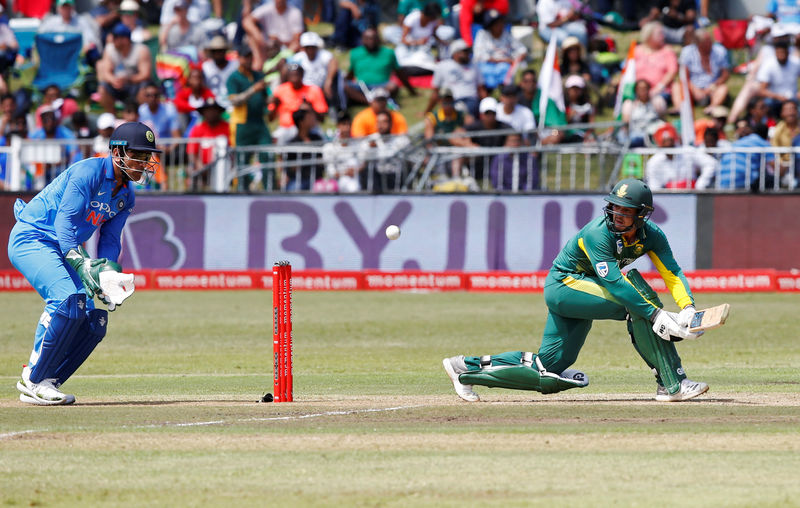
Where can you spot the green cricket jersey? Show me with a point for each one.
(597, 252)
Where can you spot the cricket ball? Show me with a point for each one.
(392, 232)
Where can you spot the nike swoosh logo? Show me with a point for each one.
(101, 193)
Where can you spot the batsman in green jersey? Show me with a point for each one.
(586, 283)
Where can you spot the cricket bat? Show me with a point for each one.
(709, 318)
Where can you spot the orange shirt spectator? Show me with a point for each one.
(366, 122)
(292, 98)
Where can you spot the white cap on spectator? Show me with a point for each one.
(575, 80)
(106, 121)
(778, 30)
(458, 45)
(489, 104)
(129, 6)
(311, 39)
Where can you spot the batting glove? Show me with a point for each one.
(666, 326)
(686, 315)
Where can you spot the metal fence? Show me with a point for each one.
(377, 164)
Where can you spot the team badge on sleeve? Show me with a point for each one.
(601, 268)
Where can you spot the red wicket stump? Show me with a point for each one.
(282, 331)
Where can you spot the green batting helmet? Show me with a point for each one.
(630, 193)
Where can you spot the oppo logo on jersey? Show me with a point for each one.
(98, 211)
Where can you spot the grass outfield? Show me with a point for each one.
(166, 412)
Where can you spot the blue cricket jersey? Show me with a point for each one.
(78, 202)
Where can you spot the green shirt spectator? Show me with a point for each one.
(374, 68)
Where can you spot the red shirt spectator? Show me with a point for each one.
(468, 16)
(289, 96)
(194, 94)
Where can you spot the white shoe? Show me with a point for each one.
(689, 390)
(454, 366)
(44, 393)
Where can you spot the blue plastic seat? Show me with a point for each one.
(58, 59)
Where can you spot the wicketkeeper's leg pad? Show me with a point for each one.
(528, 375)
(64, 324)
(658, 354)
(86, 340)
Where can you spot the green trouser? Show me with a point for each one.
(249, 134)
(573, 303)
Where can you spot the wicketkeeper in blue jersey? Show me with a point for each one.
(46, 246)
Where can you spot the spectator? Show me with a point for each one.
(787, 13)
(51, 99)
(180, 32)
(190, 97)
(740, 170)
(579, 109)
(341, 156)
(486, 122)
(510, 112)
(9, 47)
(123, 70)
(8, 108)
(678, 171)
(130, 112)
(717, 121)
(303, 169)
(217, 69)
(79, 124)
(371, 65)
(106, 15)
(353, 19)
(446, 119)
(677, 17)
(319, 67)
(275, 20)
(786, 130)
(68, 21)
(572, 61)
(560, 19)
(51, 129)
(474, 13)
(515, 170)
(291, 96)
(529, 96)
(496, 52)
(461, 76)
(129, 16)
(414, 53)
(393, 33)
(274, 67)
(198, 12)
(202, 154)
(758, 113)
(247, 92)
(708, 68)
(106, 123)
(160, 116)
(656, 63)
(386, 172)
(778, 78)
(17, 126)
(642, 114)
(366, 121)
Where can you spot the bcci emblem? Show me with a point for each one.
(638, 249)
(623, 190)
(150, 137)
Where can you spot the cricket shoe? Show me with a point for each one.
(689, 390)
(44, 393)
(454, 366)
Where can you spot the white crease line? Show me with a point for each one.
(277, 418)
(13, 434)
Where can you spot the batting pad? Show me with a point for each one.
(525, 377)
(88, 336)
(659, 354)
(116, 286)
(57, 341)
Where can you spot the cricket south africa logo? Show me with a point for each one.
(623, 190)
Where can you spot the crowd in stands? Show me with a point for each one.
(266, 77)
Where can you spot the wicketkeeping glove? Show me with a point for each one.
(89, 269)
(666, 326)
(685, 316)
